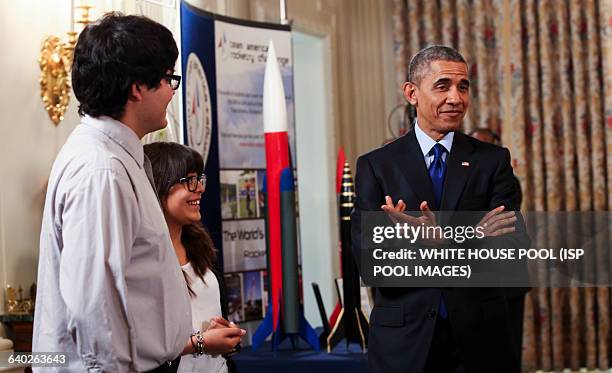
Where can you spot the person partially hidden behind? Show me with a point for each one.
(488, 135)
(436, 167)
(111, 294)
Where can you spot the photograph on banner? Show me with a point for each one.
(241, 53)
(264, 298)
(247, 195)
(244, 245)
(233, 285)
(253, 295)
(261, 176)
(229, 196)
(240, 196)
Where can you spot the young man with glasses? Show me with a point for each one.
(111, 294)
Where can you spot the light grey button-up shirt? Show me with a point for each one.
(110, 290)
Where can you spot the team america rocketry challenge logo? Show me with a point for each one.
(199, 114)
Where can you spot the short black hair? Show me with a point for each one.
(112, 54)
(420, 61)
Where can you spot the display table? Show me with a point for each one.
(19, 330)
(302, 360)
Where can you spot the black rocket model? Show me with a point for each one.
(351, 325)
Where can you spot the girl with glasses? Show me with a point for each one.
(177, 172)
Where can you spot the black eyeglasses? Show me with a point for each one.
(192, 182)
(173, 80)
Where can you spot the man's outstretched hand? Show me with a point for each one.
(494, 224)
(427, 218)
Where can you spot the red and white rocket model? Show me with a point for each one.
(278, 159)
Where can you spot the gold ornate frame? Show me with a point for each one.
(55, 62)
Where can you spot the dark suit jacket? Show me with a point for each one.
(403, 319)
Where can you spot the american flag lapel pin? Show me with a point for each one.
(465, 164)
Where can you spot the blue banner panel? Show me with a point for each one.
(199, 109)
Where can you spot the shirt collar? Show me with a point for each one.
(119, 133)
(426, 142)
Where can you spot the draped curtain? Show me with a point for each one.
(470, 27)
(541, 73)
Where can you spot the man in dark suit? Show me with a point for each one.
(435, 167)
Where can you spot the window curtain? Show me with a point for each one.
(556, 119)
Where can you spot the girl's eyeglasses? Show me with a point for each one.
(192, 182)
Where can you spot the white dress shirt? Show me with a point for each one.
(110, 289)
(427, 143)
(204, 306)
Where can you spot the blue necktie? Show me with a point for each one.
(437, 170)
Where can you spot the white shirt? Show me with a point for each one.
(427, 143)
(110, 290)
(204, 306)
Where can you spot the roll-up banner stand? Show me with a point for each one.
(223, 60)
